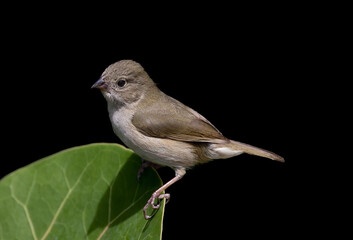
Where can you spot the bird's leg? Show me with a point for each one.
(145, 164)
(157, 194)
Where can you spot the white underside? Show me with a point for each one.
(228, 151)
(223, 152)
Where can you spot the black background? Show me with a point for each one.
(242, 70)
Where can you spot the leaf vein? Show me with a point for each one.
(120, 214)
(83, 221)
(31, 188)
(142, 230)
(26, 212)
(63, 202)
(111, 194)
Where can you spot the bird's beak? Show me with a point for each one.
(101, 84)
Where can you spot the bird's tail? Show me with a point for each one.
(234, 148)
(246, 148)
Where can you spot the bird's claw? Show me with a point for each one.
(155, 205)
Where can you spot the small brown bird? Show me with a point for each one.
(161, 129)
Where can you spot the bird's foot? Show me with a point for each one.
(145, 164)
(157, 195)
(155, 205)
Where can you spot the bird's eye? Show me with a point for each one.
(122, 82)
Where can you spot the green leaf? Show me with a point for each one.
(87, 192)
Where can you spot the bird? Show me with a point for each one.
(162, 130)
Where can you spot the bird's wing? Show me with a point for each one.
(175, 121)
